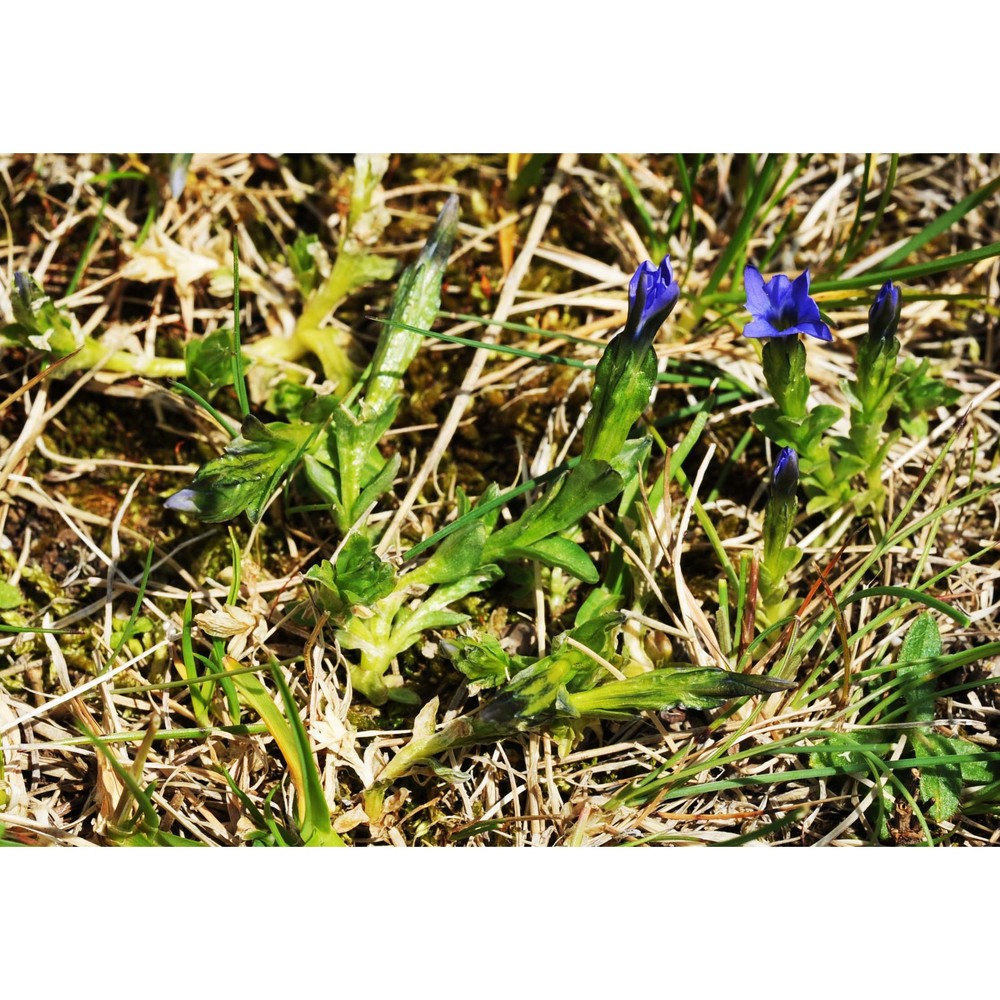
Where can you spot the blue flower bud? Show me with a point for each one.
(785, 476)
(779, 516)
(652, 293)
(183, 501)
(23, 284)
(883, 317)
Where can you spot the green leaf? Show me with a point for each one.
(531, 694)
(376, 487)
(921, 392)
(359, 577)
(326, 483)
(208, 362)
(941, 784)
(289, 399)
(302, 258)
(597, 634)
(458, 556)
(10, 596)
(819, 503)
(415, 304)
(561, 553)
(41, 325)
(482, 659)
(602, 600)
(914, 666)
(246, 474)
(585, 488)
(819, 419)
(632, 454)
(789, 559)
(693, 687)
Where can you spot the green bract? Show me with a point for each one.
(246, 474)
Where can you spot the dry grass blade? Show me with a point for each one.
(539, 266)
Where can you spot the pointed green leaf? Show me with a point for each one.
(561, 553)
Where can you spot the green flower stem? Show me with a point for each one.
(309, 336)
(874, 391)
(665, 687)
(373, 638)
(464, 731)
(790, 423)
(784, 362)
(623, 383)
(152, 367)
(544, 701)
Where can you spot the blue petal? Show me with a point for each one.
(818, 330)
(805, 308)
(757, 300)
(182, 501)
(761, 328)
(785, 475)
(643, 275)
(787, 459)
(777, 290)
(652, 293)
(808, 312)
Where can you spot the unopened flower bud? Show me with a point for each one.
(652, 293)
(785, 476)
(883, 317)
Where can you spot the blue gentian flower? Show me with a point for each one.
(883, 317)
(785, 475)
(652, 293)
(781, 308)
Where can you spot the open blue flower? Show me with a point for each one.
(781, 308)
(652, 293)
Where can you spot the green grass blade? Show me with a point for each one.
(942, 223)
(293, 743)
(127, 631)
(149, 833)
(231, 427)
(91, 240)
(875, 221)
(239, 382)
(26, 629)
(736, 246)
(199, 699)
(686, 207)
(859, 211)
(519, 352)
(656, 243)
(907, 594)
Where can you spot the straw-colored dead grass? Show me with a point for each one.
(85, 462)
